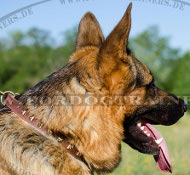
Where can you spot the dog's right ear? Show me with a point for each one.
(89, 32)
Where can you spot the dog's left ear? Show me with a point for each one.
(112, 61)
(89, 32)
(117, 41)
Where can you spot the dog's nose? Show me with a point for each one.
(185, 107)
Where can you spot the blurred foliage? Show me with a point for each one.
(179, 77)
(156, 52)
(26, 58)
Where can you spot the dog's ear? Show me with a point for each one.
(113, 61)
(117, 40)
(89, 32)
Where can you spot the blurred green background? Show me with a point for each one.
(28, 57)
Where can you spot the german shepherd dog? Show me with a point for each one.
(114, 99)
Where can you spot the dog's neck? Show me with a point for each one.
(82, 124)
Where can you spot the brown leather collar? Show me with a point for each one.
(17, 108)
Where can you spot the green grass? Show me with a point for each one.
(178, 141)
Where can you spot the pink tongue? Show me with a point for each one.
(162, 159)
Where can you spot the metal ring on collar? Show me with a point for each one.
(3, 96)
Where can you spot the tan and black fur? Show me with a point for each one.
(98, 67)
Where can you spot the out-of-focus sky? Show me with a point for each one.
(57, 16)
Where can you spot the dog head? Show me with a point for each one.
(116, 71)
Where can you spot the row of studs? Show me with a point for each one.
(59, 139)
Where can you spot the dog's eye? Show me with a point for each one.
(152, 86)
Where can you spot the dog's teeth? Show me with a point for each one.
(145, 132)
(139, 124)
(159, 141)
(142, 127)
(148, 135)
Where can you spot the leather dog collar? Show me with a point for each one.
(17, 109)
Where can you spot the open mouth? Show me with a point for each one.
(142, 136)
